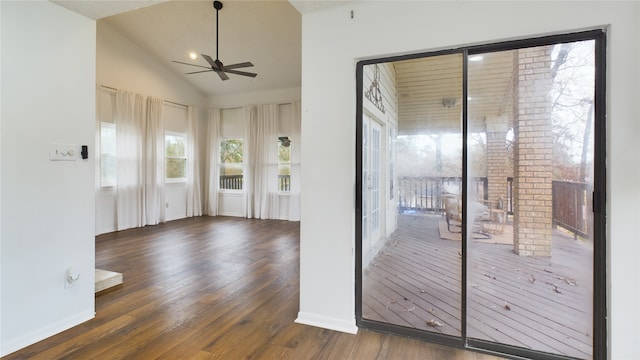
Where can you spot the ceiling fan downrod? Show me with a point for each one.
(218, 6)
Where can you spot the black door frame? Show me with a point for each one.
(599, 330)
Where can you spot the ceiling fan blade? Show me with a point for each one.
(222, 75)
(236, 66)
(243, 73)
(184, 63)
(197, 72)
(210, 61)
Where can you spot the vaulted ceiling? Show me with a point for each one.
(268, 33)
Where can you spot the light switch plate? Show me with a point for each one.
(63, 152)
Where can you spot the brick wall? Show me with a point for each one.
(533, 153)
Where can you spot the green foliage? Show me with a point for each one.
(231, 151)
(174, 146)
(284, 154)
(176, 168)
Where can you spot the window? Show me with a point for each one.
(107, 154)
(231, 164)
(175, 156)
(284, 164)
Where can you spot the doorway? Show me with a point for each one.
(372, 209)
(498, 238)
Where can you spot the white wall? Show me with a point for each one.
(332, 43)
(233, 100)
(47, 216)
(123, 65)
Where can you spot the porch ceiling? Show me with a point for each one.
(423, 85)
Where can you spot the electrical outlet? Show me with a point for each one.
(71, 277)
(63, 152)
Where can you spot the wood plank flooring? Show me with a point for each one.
(213, 288)
(544, 304)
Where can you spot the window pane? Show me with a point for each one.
(176, 168)
(231, 176)
(411, 268)
(284, 153)
(175, 145)
(529, 241)
(107, 154)
(175, 158)
(231, 151)
(284, 177)
(284, 164)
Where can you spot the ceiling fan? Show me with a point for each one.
(217, 65)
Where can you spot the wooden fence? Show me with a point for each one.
(572, 204)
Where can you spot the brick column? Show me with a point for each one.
(533, 154)
(497, 160)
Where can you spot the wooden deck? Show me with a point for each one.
(544, 304)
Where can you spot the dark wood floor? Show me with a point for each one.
(544, 304)
(213, 288)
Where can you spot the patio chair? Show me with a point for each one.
(497, 218)
(453, 213)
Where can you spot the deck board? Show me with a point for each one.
(549, 300)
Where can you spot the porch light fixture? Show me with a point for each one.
(286, 142)
(374, 94)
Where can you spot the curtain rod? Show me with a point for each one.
(242, 107)
(166, 101)
(175, 103)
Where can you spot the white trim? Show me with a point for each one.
(326, 322)
(33, 337)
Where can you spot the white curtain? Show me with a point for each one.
(294, 191)
(194, 206)
(154, 160)
(265, 163)
(213, 158)
(250, 158)
(129, 119)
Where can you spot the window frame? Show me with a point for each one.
(281, 163)
(222, 165)
(176, 180)
(105, 184)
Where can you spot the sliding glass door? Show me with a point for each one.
(493, 235)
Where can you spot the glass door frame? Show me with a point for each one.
(599, 329)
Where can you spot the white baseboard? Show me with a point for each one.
(33, 337)
(327, 322)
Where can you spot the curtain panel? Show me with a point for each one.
(265, 166)
(296, 146)
(250, 158)
(213, 159)
(194, 203)
(130, 128)
(154, 163)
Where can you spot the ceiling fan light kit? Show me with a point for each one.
(216, 65)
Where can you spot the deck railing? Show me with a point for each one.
(231, 182)
(571, 200)
(425, 193)
(235, 182)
